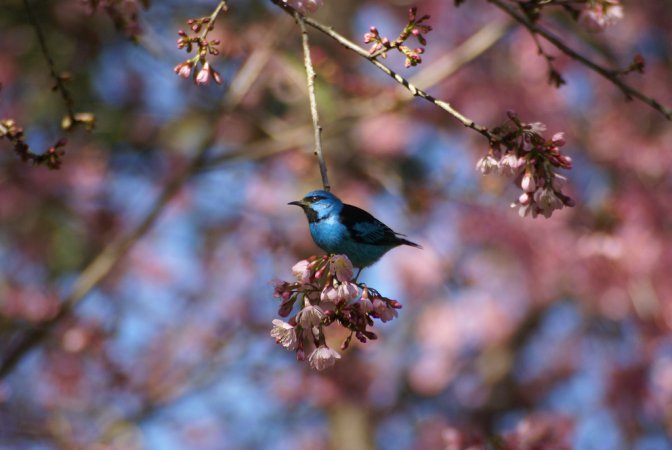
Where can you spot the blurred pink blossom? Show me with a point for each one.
(305, 6)
(601, 14)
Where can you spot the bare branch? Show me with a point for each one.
(398, 78)
(222, 6)
(310, 81)
(58, 79)
(609, 74)
(112, 254)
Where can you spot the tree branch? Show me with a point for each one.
(398, 78)
(310, 81)
(60, 85)
(611, 75)
(112, 254)
(221, 6)
(100, 267)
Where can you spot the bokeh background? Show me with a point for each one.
(537, 334)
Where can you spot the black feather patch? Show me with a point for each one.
(366, 229)
(311, 214)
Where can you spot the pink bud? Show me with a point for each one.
(300, 355)
(216, 76)
(412, 13)
(183, 69)
(527, 183)
(524, 198)
(203, 75)
(558, 139)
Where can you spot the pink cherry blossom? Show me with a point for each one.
(285, 334)
(341, 267)
(323, 357)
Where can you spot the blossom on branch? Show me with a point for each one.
(329, 296)
(601, 14)
(519, 150)
(415, 27)
(203, 47)
(284, 334)
(323, 357)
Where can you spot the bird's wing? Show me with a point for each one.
(366, 229)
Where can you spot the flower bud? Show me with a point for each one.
(527, 183)
(558, 139)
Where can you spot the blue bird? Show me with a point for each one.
(340, 228)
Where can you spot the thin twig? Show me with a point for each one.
(60, 84)
(310, 81)
(398, 78)
(222, 6)
(609, 74)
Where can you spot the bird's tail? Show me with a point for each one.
(409, 243)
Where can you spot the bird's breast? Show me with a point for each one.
(329, 235)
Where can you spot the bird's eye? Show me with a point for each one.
(315, 198)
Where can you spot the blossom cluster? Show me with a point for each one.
(415, 27)
(520, 151)
(325, 294)
(600, 14)
(204, 47)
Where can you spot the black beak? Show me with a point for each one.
(297, 203)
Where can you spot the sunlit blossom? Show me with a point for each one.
(510, 164)
(323, 357)
(532, 160)
(601, 14)
(284, 334)
(384, 311)
(328, 298)
(487, 164)
(302, 271)
(310, 316)
(341, 267)
(527, 183)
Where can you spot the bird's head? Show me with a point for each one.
(319, 204)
